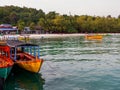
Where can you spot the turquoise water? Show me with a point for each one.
(20, 79)
(73, 63)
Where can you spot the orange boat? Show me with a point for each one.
(93, 37)
(25, 55)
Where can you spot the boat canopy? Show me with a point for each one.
(17, 43)
(17, 46)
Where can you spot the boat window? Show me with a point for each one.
(12, 51)
(19, 50)
(32, 50)
(3, 53)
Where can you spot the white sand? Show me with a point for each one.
(54, 35)
(39, 36)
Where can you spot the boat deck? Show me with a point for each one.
(24, 57)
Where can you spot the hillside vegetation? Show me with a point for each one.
(56, 23)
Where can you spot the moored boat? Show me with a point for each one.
(26, 39)
(6, 63)
(93, 37)
(25, 55)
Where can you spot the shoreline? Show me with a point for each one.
(54, 35)
(39, 36)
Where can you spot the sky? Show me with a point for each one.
(74, 7)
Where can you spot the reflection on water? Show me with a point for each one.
(20, 79)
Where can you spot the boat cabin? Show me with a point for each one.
(23, 51)
(5, 60)
(4, 51)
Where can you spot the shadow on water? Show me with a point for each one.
(20, 79)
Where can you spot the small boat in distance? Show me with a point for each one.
(24, 38)
(93, 37)
(25, 55)
(6, 62)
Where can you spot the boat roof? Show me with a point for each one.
(7, 29)
(17, 43)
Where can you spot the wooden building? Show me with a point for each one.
(8, 29)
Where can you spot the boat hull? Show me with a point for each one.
(5, 62)
(94, 37)
(32, 66)
(24, 39)
(4, 72)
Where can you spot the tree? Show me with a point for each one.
(21, 25)
(13, 18)
(32, 25)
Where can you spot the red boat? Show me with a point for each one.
(6, 62)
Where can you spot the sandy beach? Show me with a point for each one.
(37, 36)
(41, 36)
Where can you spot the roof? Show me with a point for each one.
(6, 25)
(7, 29)
(17, 43)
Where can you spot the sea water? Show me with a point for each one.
(73, 63)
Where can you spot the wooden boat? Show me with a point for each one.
(24, 38)
(6, 63)
(93, 37)
(25, 55)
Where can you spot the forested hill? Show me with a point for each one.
(56, 23)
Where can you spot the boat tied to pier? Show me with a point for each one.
(93, 37)
(25, 55)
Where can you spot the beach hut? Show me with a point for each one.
(7, 29)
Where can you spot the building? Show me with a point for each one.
(8, 29)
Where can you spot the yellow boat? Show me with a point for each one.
(25, 55)
(21, 38)
(93, 37)
(32, 64)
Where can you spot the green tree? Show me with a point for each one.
(21, 25)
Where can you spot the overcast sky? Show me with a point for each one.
(78, 7)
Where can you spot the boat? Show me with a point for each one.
(6, 62)
(93, 37)
(25, 55)
(7, 28)
(24, 38)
